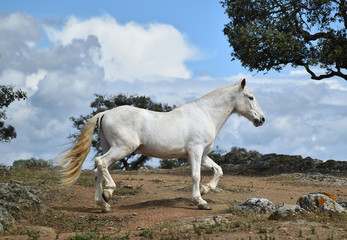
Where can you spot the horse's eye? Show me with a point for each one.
(250, 98)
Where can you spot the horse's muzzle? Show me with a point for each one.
(259, 122)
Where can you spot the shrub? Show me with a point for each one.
(239, 156)
(31, 163)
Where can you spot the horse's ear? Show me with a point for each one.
(243, 83)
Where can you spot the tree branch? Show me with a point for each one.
(313, 37)
(323, 76)
(135, 164)
(125, 163)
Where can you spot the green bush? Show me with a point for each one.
(31, 163)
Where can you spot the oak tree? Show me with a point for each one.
(271, 34)
(7, 96)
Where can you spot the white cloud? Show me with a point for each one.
(18, 156)
(300, 72)
(33, 80)
(17, 30)
(50, 129)
(22, 113)
(334, 84)
(236, 78)
(12, 77)
(131, 51)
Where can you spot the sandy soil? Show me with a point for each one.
(156, 204)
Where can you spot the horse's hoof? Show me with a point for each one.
(204, 206)
(106, 208)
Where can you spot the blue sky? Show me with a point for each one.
(62, 52)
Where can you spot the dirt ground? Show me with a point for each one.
(156, 205)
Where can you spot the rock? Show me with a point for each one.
(288, 212)
(270, 164)
(15, 199)
(256, 205)
(280, 163)
(332, 166)
(6, 219)
(342, 203)
(321, 202)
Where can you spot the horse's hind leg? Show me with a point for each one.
(217, 173)
(98, 186)
(99, 179)
(114, 154)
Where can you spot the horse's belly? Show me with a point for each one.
(160, 150)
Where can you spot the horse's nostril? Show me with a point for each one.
(263, 119)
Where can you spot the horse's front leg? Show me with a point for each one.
(217, 173)
(195, 161)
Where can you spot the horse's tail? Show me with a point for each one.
(78, 152)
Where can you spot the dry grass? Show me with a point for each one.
(71, 213)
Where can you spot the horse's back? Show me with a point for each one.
(137, 118)
(159, 134)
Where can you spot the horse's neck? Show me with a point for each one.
(219, 105)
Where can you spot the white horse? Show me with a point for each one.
(188, 131)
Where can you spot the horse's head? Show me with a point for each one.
(247, 105)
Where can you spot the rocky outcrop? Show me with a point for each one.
(269, 164)
(15, 200)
